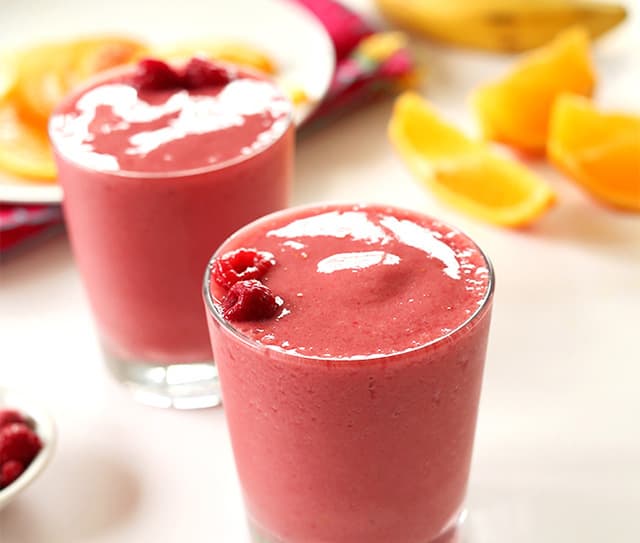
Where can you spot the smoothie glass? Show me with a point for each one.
(339, 441)
(153, 181)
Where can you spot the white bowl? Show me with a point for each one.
(46, 430)
(288, 33)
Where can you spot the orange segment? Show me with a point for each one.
(8, 72)
(382, 45)
(94, 55)
(24, 150)
(48, 72)
(601, 151)
(463, 172)
(41, 80)
(296, 94)
(515, 110)
(234, 52)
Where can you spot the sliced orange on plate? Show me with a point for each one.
(8, 72)
(463, 172)
(515, 110)
(94, 55)
(600, 151)
(48, 72)
(33, 81)
(234, 52)
(42, 80)
(24, 149)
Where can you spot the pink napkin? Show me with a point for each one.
(22, 225)
(359, 77)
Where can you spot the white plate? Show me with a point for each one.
(286, 32)
(44, 427)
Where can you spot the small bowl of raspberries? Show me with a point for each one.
(27, 437)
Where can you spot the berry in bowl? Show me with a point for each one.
(27, 437)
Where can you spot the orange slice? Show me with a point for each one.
(8, 72)
(601, 151)
(48, 72)
(382, 45)
(515, 110)
(462, 172)
(296, 94)
(24, 150)
(234, 52)
(94, 55)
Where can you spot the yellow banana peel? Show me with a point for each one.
(501, 25)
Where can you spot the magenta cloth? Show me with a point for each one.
(24, 224)
(345, 27)
(357, 79)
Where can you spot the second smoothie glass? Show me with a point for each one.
(141, 239)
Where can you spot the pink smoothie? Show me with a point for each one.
(153, 181)
(352, 412)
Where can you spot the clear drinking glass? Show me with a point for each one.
(140, 240)
(373, 450)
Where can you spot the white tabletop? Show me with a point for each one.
(557, 456)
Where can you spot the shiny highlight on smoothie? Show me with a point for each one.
(362, 281)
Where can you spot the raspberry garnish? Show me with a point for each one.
(10, 471)
(200, 73)
(155, 74)
(18, 442)
(249, 301)
(240, 265)
(7, 416)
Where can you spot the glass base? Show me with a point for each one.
(452, 534)
(181, 386)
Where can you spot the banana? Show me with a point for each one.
(501, 25)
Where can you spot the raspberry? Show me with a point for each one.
(7, 416)
(155, 74)
(200, 73)
(10, 471)
(240, 265)
(249, 301)
(18, 442)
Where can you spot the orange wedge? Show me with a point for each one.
(296, 93)
(42, 81)
(465, 173)
(601, 151)
(8, 72)
(515, 110)
(94, 55)
(24, 150)
(48, 72)
(238, 53)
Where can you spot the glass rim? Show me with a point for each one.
(213, 310)
(138, 174)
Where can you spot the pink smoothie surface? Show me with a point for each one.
(153, 181)
(114, 126)
(352, 412)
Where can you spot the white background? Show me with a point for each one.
(557, 455)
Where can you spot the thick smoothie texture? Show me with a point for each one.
(352, 412)
(154, 180)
